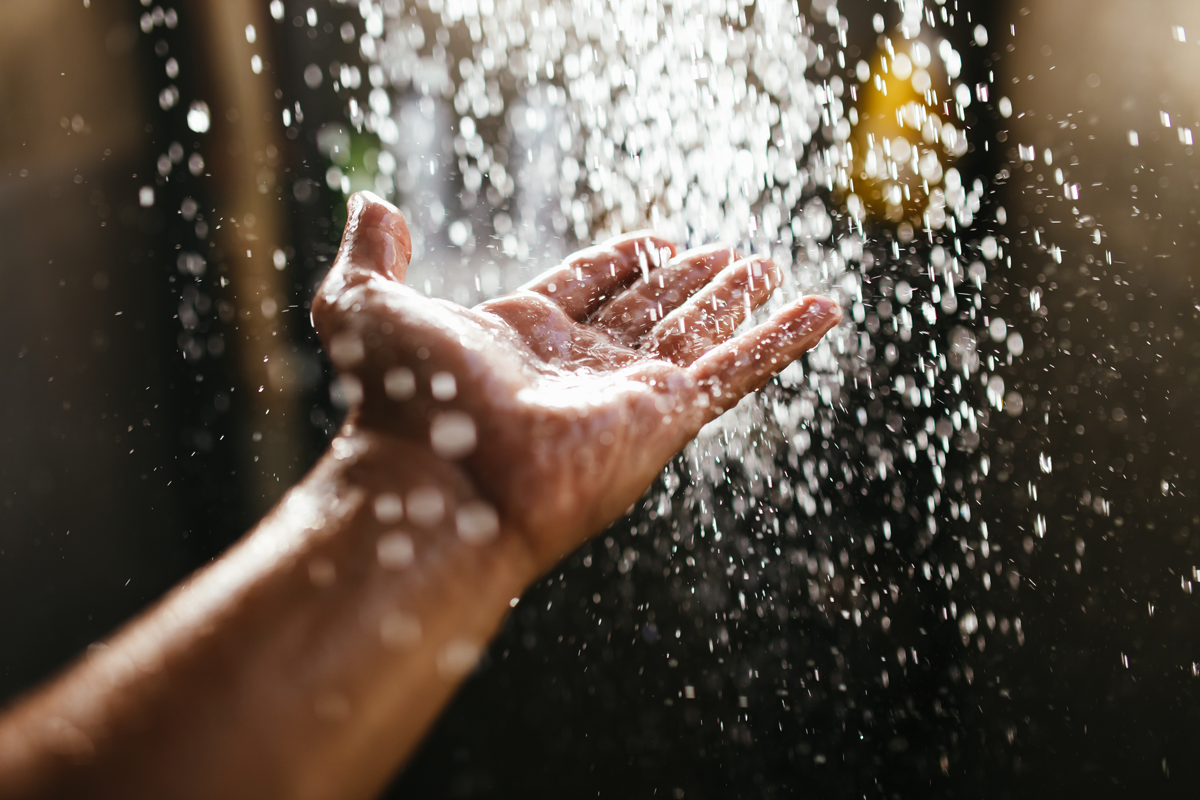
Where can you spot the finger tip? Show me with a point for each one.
(832, 310)
(397, 226)
(826, 311)
(369, 198)
(812, 315)
(644, 238)
(377, 231)
(367, 208)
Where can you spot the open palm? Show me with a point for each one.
(561, 401)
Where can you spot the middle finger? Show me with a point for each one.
(655, 295)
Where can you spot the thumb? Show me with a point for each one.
(376, 238)
(375, 245)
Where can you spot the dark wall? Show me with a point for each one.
(131, 443)
(92, 525)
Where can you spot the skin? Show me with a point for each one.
(482, 446)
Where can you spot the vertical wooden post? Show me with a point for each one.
(244, 161)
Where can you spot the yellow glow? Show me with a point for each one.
(902, 144)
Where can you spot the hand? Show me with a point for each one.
(310, 658)
(561, 401)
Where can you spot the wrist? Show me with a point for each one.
(337, 630)
(412, 509)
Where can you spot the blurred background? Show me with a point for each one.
(172, 188)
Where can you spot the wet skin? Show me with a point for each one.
(580, 386)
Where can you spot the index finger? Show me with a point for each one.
(745, 363)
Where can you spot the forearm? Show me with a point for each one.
(306, 662)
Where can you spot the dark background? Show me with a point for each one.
(135, 442)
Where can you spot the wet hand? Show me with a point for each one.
(561, 401)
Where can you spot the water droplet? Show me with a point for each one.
(1014, 404)
(313, 76)
(998, 329)
(346, 392)
(399, 383)
(198, 117)
(1016, 344)
(346, 350)
(388, 508)
(344, 448)
(477, 522)
(458, 658)
(426, 506)
(395, 550)
(399, 630)
(443, 386)
(452, 434)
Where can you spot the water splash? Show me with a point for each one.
(838, 514)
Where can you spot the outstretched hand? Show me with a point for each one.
(561, 401)
(482, 445)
